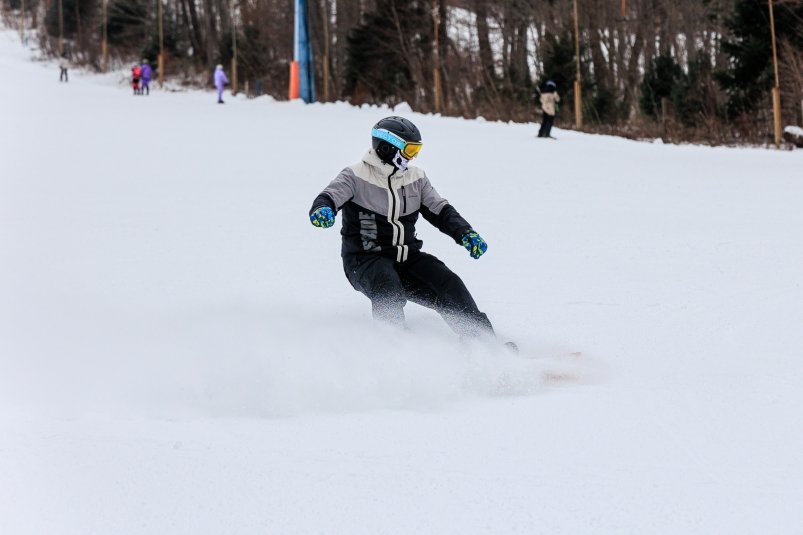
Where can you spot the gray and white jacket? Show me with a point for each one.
(380, 207)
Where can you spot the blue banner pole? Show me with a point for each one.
(303, 54)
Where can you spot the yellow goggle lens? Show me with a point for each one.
(411, 149)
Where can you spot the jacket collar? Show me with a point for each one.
(385, 169)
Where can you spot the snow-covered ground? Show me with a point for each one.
(180, 352)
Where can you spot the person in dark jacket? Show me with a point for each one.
(380, 198)
(549, 104)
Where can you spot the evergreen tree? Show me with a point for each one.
(749, 76)
(559, 64)
(251, 53)
(76, 15)
(603, 107)
(693, 97)
(662, 79)
(383, 51)
(128, 24)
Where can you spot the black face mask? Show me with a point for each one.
(386, 152)
(392, 156)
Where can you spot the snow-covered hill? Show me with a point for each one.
(180, 352)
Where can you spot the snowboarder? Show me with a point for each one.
(549, 101)
(220, 82)
(146, 75)
(381, 198)
(136, 73)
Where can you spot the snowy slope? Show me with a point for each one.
(180, 351)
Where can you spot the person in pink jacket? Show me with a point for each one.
(220, 82)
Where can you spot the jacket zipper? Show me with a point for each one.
(393, 208)
(401, 256)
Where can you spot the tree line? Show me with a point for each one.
(678, 69)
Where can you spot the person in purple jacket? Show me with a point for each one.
(220, 82)
(145, 77)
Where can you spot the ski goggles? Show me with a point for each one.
(408, 149)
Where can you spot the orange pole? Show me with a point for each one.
(294, 81)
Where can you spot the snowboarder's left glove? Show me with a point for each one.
(323, 217)
(475, 244)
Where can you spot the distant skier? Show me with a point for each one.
(549, 100)
(63, 77)
(381, 197)
(146, 74)
(136, 74)
(220, 82)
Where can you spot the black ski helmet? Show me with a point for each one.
(400, 126)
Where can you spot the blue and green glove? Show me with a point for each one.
(474, 243)
(322, 217)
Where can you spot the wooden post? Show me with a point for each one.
(325, 9)
(234, 50)
(776, 90)
(104, 43)
(436, 68)
(61, 29)
(234, 87)
(578, 97)
(161, 60)
(22, 22)
(776, 114)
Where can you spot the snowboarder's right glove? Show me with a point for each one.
(475, 244)
(322, 217)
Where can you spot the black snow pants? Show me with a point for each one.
(422, 279)
(546, 125)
